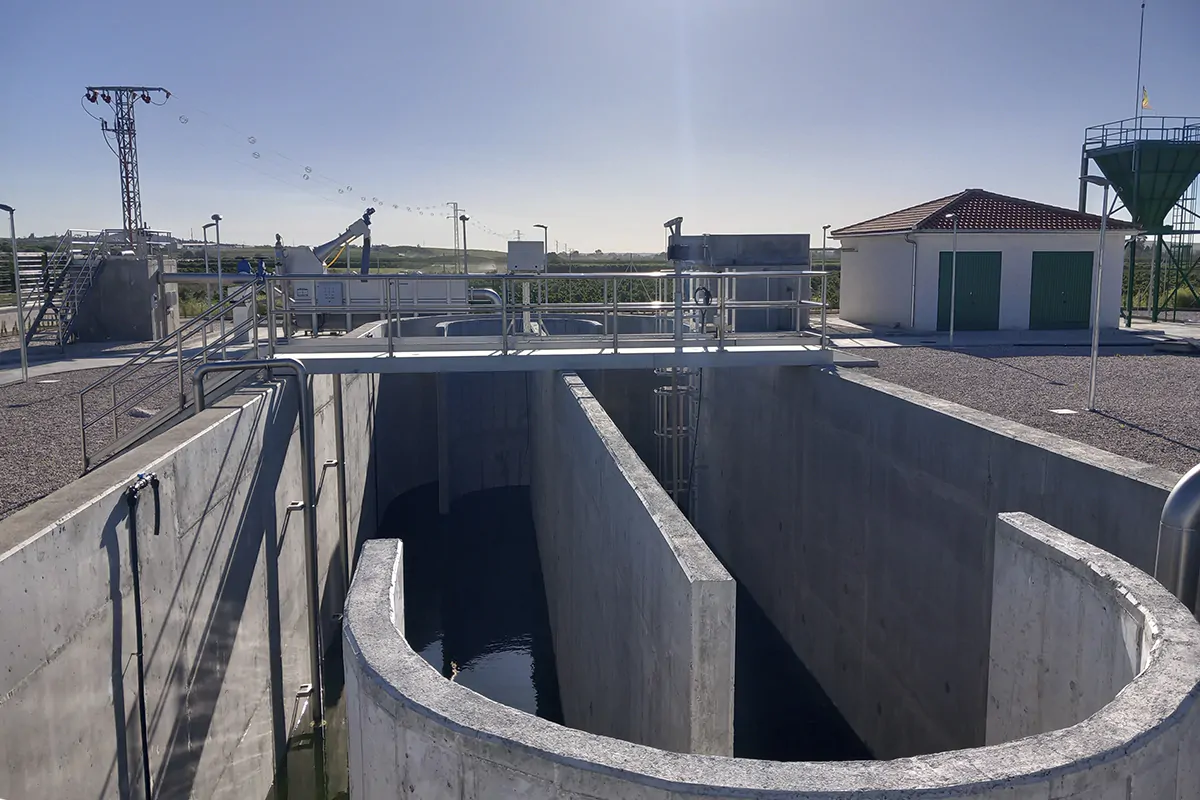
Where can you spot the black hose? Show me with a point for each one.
(131, 498)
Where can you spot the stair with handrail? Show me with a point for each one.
(153, 388)
(54, 285)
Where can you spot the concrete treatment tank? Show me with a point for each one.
(1124, 721)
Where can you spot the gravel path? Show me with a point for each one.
(1148, 405)
(39, 421)
(39, 448)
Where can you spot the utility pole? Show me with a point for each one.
(517, 233)
(122, 99)
(454, 223)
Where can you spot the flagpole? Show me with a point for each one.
(1137, 112)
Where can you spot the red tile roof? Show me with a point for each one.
(977, 210)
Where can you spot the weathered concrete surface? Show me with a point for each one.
(641, 613)
(121, 305)
(414, 734)
(227, 554)
(483, 431)
(627, 396)
(860, 516)
(1067, 634)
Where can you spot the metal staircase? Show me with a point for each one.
(53, 285)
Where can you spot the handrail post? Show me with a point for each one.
(179, 362)
(254, 319)
(270, 317)
(116, 435)
(616, 309)
(83, 433)
(503, 316)
(388, 284)
(824, 301)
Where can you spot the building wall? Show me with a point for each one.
(876, 280)
(860, 517)
(641, 612)
(884, 263)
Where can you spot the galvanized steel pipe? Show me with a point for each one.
(1177, 563)
(309, 493)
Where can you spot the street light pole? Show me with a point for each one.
(463, 219)
(204, 232)
(1098, 181)
(216, 221)
(953, 272)
(824, 232)
(12, 234)
(545, 240)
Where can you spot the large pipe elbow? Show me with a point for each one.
(1177, 563)
(490, 295)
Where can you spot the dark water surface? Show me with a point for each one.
(475, 609)
(474, 603)
(780, 712)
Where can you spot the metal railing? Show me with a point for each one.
(1143, 129)
(121, 407)
(709, 312)
(62, 285)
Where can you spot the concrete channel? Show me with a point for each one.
(917, 557)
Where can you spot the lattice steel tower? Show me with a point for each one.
(122, 99)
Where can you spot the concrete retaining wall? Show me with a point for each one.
(1065, 637)
(641, 613)
(860, 516)
(414, 734)
(483, 430)
(227, 553)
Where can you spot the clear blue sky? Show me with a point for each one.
(600, 119)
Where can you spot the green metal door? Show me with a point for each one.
(1060, 294)
(976, 291)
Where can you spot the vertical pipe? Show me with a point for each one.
(339, 425)
(131, 499)
(311, 564)
(616, 307)
(1133, 246)
(1177, 560)
(1155, 278)
(1083, 187)
(953, 276)
(220, 285)
(1096, 310)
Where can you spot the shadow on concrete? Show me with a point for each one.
(205, 676)
(110, 541)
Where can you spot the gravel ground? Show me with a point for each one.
(1148, 405)
(40, 444)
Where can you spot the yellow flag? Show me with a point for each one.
(1146, 99)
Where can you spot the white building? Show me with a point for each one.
(1020, 265)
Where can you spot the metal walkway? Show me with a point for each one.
(484, 355)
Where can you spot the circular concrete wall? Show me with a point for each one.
(417, 734)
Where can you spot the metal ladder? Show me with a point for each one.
(53, 286)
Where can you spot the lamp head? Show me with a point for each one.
(6, 209)
(216, 218)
